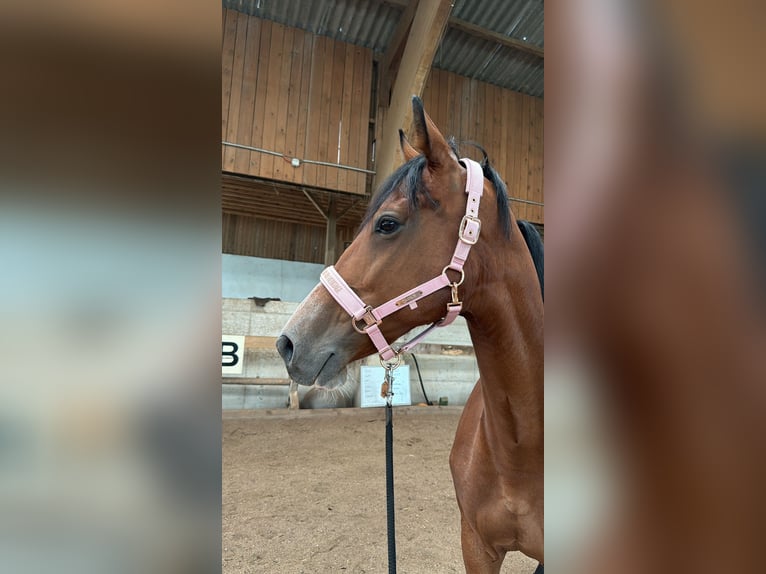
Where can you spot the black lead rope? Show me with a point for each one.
(390, 491)
(386, 391)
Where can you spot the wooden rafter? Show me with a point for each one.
(269, 200)
(484, 33)
(475, 30)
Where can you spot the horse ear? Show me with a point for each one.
(428, 138)
(408, 151)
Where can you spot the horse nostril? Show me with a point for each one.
(285, 348)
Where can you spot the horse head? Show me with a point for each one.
(406, 238)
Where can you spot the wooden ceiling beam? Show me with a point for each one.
(483, 33)
(255, 198)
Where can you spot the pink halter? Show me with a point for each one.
(371, 318)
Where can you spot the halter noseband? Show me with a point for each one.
(367, 320)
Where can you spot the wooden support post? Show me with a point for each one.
(330, 242)
(425, 33)
(389, 64)
(293, 403)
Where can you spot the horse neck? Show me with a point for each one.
(505, 320)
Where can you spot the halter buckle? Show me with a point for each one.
(470, 227)
(368, 318)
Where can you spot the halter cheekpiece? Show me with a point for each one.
(367, 320)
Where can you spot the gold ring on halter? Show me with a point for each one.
(390, 364)
(462, 275)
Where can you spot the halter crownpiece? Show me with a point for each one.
(367, 320)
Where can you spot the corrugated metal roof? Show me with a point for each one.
(371, 23)
(468, 55)
(367, 23)
(518, 19)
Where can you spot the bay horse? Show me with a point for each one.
(406, 238)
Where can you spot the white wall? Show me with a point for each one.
(244, 277)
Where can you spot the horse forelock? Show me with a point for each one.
(408, 179)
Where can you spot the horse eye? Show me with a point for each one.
(387, 225)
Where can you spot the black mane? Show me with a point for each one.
(409, 179)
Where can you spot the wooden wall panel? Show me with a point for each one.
(256, 237)
(235, 95)
(301, 95)
(509, 125)
(227, 65)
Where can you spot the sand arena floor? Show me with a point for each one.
(304, 492)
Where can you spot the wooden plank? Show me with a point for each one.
(506, 133)
(345, 116)
(538, 155)
(443, 101)
(257, 342)
(247, 98)
(495, 135)
(526, 158)
(480, 116)
(490, 122)
(451, 98)
(273, 97)
(331, 234)
(364, 160)
(269, 343)
(428, 94)
(428, 97)
(236, 91)
(515, 189)
(501, 133)
(357, 129)
(293, 394)
(336, 110)
(280, 164)
(314, 107)
(486, 127)
(465, 109)
(259, 113)
(227, 64)
(524, 171)
(254, 381)
(475, 112)
(323, 150)
(293, 102)
(288, 205)
(532, 159)
(541, 118)
(303, 106)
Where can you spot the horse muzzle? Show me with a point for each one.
(320, 367)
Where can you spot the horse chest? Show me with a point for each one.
(501, 508)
